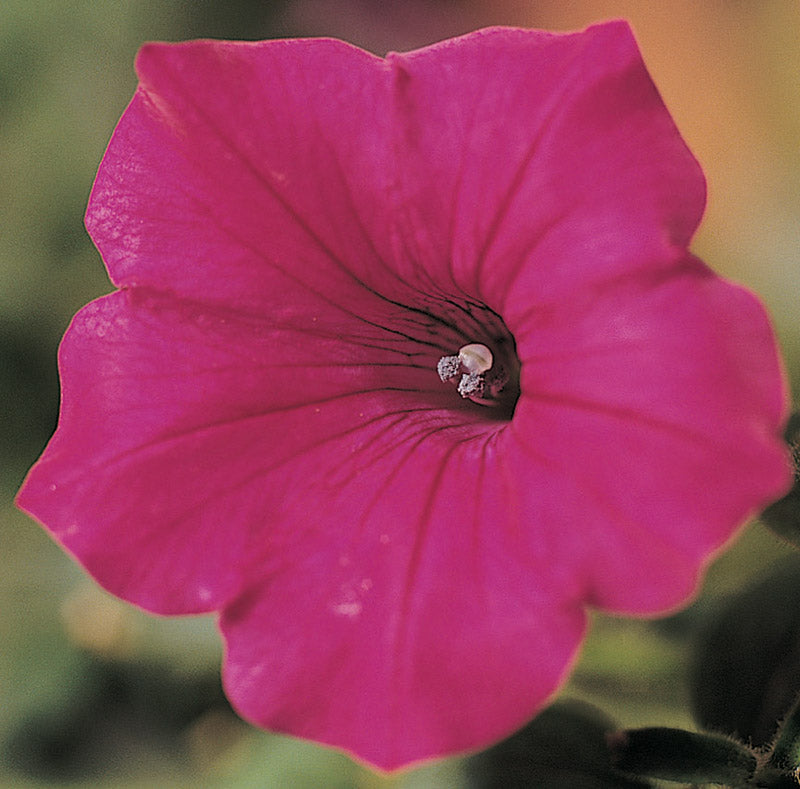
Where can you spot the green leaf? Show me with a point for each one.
(769, 778)
(678, 755)
(563, 748)
(785, 752)
(747, 666)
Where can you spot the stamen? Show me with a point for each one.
(471, 385)
(448, 367)
(478, 381)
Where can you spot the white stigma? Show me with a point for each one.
(476, 358)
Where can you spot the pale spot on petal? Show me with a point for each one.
(351, 610)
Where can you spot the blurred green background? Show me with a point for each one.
(94, 693)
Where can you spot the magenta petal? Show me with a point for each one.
(419, 620)
(654, 393)
(144, 473)
(276, 154)
(591, 181)
(177, 422)
(253, 424)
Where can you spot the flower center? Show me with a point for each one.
(478, 377)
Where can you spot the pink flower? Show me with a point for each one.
(253, 423)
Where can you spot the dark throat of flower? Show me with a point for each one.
(486, 374)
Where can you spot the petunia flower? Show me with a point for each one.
(408, 365)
